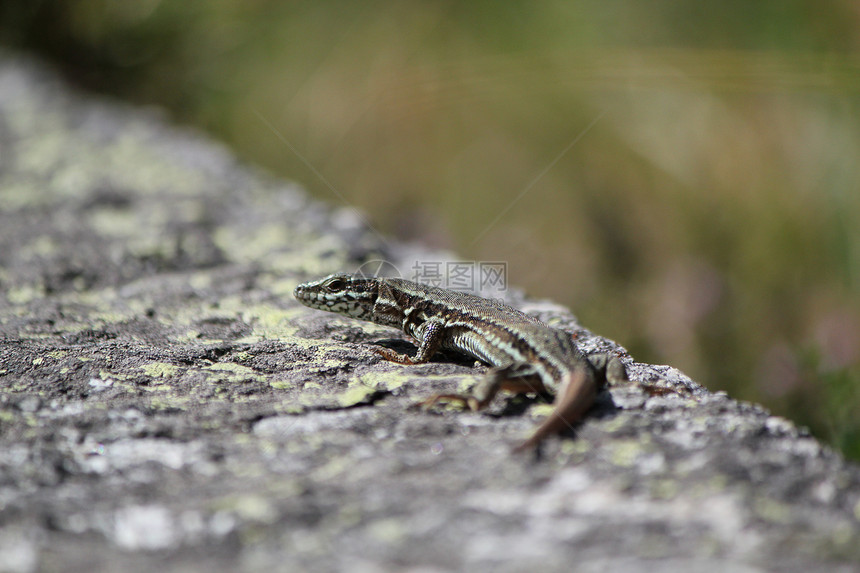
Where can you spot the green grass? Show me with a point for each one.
(708, 219)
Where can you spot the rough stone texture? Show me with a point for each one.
(166, 405)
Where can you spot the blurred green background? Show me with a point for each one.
(704, 214)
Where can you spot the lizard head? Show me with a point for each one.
(349, 295)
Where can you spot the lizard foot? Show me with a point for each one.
(393, 356)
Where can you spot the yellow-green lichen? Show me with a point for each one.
(350, 514)
(321, 365)
(266, 245)
(315, 266)
(384, 380)
(664, 489)
(159, 369)
(100, 303)
(290, 408)
(574, 448)
(235, 372)
(15, 386)
(541, 410)
(615, 424)
(109, 317)
(200, 281)
(256, 508)
(844, 537)
(112, 222)
(15, 193)
(25, 293)
(310, 401)
(467, 384)
(251, 246)
(354, 395)
(269, 321)
(337, 466)
(624, 452)
(388, 530)
(718, 483)
(250, 339)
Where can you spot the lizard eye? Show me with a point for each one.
(336, 284)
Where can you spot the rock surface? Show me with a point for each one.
(166, 405)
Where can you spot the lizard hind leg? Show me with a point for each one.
(519, 378)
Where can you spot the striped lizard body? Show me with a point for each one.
(527, 355)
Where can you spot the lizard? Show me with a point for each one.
(525, 354)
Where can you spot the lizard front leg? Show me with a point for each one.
(431, 341)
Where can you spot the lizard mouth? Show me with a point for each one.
(311, 297)
(299, 293)
(308, 297)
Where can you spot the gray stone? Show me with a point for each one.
(165, 403)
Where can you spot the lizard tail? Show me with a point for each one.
(573, 400)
